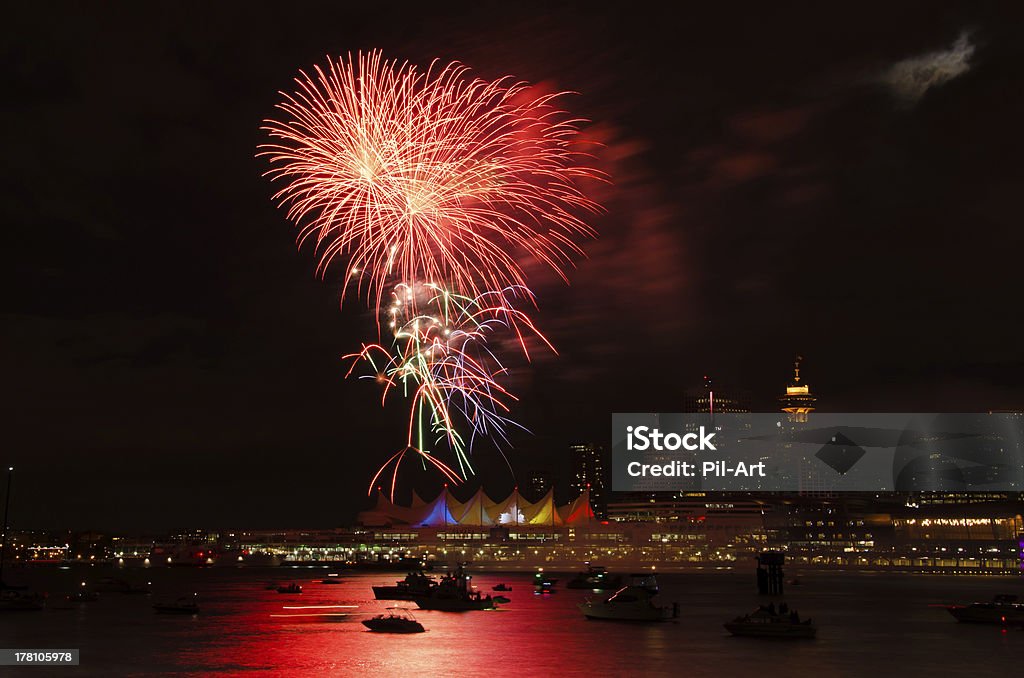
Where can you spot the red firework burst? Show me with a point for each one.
(432, 176)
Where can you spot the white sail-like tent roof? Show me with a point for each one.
(441, 512)
(578, 512)
(478, 511)
(544, 512)
(512, 511)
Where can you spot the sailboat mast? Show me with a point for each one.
(7, 510)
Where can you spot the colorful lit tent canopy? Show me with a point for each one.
(441, 512)
(479, 511)
(512, 511)
(475, 512)
(544, 512)
(384, 512)
(578, 512)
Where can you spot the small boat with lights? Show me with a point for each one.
(596, 578)
(631, 603)
(1003, 609)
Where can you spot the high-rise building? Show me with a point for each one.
(709, 400)
(539, 482)
(590, 471)
(798, 402)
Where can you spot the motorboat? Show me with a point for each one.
(542, 583)
(82, 595)
(289, 588)
(183, 605)
(16, 600)
(596, 578)
(631, 603)
(541, 578)
(398, 620)
(454, 594)
(501, 587)
(766, 622)
(1003, 609)
(112, 585)
(415, 585)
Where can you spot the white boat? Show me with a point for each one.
(1003, 610)
(631, 603)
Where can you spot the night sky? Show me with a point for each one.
(840, 183)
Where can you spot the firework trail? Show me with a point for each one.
(430, 176)
(443, 184)
(441, 359)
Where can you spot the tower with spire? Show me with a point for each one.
(798, 402)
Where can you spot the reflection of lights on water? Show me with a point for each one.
(319, 607)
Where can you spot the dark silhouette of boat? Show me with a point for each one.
(543, 583)
(289, 588)
(1003, 609)
(14, 598)
(415, 585)
(767, 622)
(501, 587)
(398, 621)
(453, 594)
(183, 605)
(596, 578)
(112, 585)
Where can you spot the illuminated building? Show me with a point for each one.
(709, 400)
(539, 482)
(798, 402)
(589, 471)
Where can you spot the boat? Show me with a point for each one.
(289, 588)
(631, 603)
(1003, 609)
(112, 585)
(415, 585)
(14, 598)
(398, 620)
(596, 578)
(82, 595)
(453, 594)
(183, 605)
(765, 622)
(542, 583)
(541, 578)
(501, 587)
